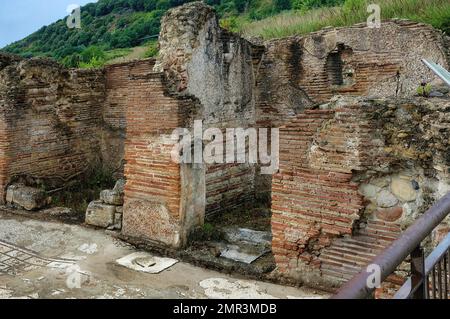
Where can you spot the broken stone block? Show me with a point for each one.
(29, 198)
(117, 222)
(120, 185)
(111, 197)
(119, 209)
(100, 214)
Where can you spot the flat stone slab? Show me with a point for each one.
(237, 253)
(245, 245)
(145, 262)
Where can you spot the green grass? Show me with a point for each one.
(103, 58)
(152, 49)
(117, 53)
(433, 12)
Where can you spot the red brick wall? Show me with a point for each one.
(154, 208)
(50, 121)
(119, 81)
(229, 187)
(313, 197)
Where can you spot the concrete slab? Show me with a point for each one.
(145, 262)
(241, 254)
(245, 245)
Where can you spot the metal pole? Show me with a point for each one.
(418, 273)
(393, 255)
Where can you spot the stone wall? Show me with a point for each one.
(353, 174)
(50, 121)
(297, 72)
(202, 60)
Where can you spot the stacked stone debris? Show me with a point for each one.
(108, 210)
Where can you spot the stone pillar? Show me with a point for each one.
(164, 200)
(200, 59)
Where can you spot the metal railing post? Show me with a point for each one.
(418, 276)
(402, 247)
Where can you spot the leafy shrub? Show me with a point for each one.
(230, 24)
(93, 63)
(281, 5)
(352, 6)
(424, 89)
(152, 49)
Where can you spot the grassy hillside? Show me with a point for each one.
(114, 29)
(434, 12)
(109, 27)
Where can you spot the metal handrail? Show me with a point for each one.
(393, 255)
(436, 255)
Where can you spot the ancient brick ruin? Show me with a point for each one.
(360, 156)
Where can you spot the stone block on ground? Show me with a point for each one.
(29, 198)
(111, 197)
(117, 222)
(100, 214)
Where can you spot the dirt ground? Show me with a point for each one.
(47, 259)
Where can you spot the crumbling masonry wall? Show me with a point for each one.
(50, 119)
(120, 79)
(164, 200)
(58, 124)
(352, 175)
(313, 196)
(297, 72)
(215, 66)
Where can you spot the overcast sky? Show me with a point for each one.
(19, 18)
